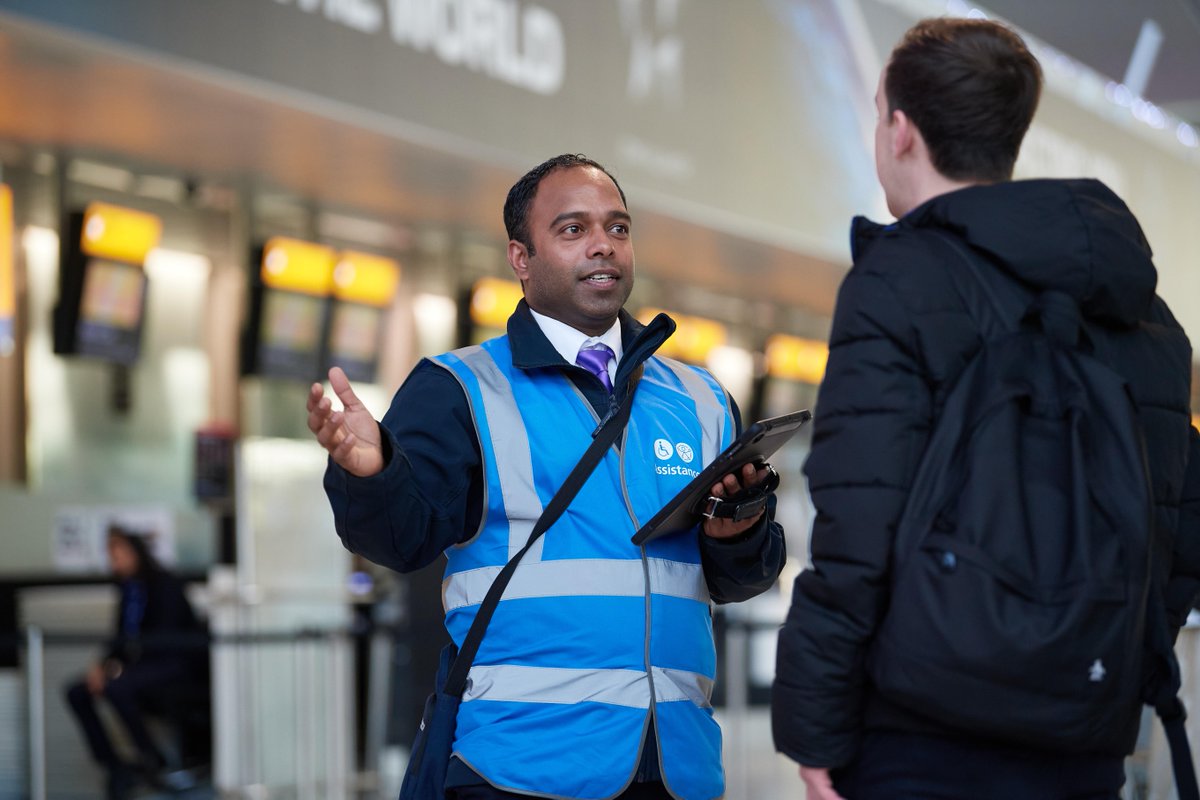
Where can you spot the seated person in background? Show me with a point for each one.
(147, 659)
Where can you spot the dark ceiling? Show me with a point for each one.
(1102, 34)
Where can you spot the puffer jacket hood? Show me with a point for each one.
(1075, 236)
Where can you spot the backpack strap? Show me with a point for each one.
(1173, 717)
(999, 309)
(1163, 693)
(1006, 306)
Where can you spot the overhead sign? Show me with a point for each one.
(694, 338)
(796, 359)
(121, 234)
(493, 301)
(365, 278)
(518, 43)
(720, 113)
(297, 266)
(8, 291)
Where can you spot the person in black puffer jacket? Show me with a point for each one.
(954, 102)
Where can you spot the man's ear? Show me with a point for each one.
(518, 259)
(902, 134)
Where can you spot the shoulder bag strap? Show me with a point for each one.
(608, 431)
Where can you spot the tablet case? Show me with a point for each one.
(757, 443)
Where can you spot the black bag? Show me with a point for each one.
(426, 773)
(1022, 562)
(433, 746)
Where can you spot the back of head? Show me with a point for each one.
(520, 196)
(971, 88)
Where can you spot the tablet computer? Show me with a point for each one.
(756, 443)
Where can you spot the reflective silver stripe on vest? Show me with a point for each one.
(577, 577)
(709, 410)
(510, 447)
(621, 687)
(675, 685)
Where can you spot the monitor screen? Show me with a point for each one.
(289, 341)
(110, 310)
(354, 339)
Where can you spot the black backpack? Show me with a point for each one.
(1022, 606)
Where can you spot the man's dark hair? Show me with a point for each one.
(971, 88)
(520, 196)
(147, 563)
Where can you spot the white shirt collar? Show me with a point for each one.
(568, 341)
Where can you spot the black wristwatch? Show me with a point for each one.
(741, 505)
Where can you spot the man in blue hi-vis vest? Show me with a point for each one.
(595, 675)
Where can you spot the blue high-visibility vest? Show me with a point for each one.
(595, 638)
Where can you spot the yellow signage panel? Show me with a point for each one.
(8, 299)
(796, 359)
(1196, 421)
(120, 234)
(694, 337)
(493, 301)
(298, 266)
(365, 278)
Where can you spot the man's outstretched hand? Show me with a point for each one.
(351, 435)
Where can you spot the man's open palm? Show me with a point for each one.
(351, 435)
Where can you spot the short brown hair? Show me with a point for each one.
(971, 88)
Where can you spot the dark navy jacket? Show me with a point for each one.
(901, 335)
(155, 623)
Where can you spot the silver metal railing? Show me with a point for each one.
(34, 659)
(313, 662)
(309, 669)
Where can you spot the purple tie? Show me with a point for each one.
(594, 359)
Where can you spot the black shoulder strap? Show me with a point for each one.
(1014, 306)
(1004, 308)
(1173, 717)
(610, 428)
(1165, 699)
